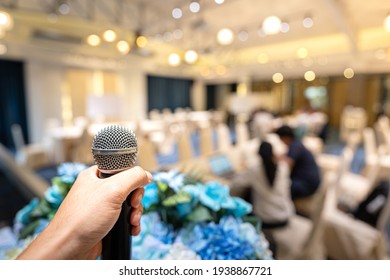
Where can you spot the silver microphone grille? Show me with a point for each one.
(114, 149)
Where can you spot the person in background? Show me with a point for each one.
(88, 213)
(305, 174)
(269, 185)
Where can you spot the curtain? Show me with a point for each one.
(12, 101)
(169, 93)
(211, 91)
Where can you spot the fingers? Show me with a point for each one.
(135, 219)
(136, 197)
(128, 180)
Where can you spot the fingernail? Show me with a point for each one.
(150, 177)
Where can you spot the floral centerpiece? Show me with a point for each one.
(184, 218)
(35, 216)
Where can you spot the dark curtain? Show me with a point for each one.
(12, 101)
(211, 91)
(169, 93)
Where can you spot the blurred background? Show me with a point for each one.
(195, 78)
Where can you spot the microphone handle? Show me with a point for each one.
(117, 243)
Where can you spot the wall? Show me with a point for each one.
(45, 87)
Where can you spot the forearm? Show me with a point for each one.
(52, 244)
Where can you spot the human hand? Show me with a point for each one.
(88, 213)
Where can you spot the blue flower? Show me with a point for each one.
(172, 178)
(150, 195)
(23, 215)
(238, 207)
(217, 241)
(54, 196)
(213, 195)
(71, 169)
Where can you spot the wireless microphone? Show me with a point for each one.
(114, 149)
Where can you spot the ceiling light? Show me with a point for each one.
(141, 41)
(167, 36)
(271, 25)
(308, 22)
(194, 7)
(177, 34)
(262, 58)
(3, 49)
(220, 70)
(123, 47)
(243, 36)
(349, 73)
(225, 36)
(310, 76)
(191, 56)
(64, 9)
(109, 35)
(6, 21)
(177, 13)
(302, 52)
(387, 23)
(205, 72)
(277, 78)
(284, 27)
(219, 1)
(174, 59)
(93, 40)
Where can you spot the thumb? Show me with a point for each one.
(130, 179)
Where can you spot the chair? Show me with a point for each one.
(347, 238)
(224, 138)
(147, 154)
(242, 133)
(206, 140)
(302, 237)
(26, 180)
(184, 146)
(81, 151)
(31, 155)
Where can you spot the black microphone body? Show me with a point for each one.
(115, 149)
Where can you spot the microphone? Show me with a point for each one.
(114, 149)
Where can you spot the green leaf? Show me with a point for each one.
(42, 210)
(162, 186)
(200, 214)
(28, 230)
(178, 198)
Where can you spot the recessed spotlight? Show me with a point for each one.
(174, 59)
(123, 47)
(349, 73)
(194, 7)
(308, 22)
(310, 76)
(285, 27)
(6, 21)
(177, 13)
(243, 36)
(93, 40)
(191, 56)
(141, 41)
(225, 36)
(277, 78)
(271, 25)
(219, 2)
(109, 35)
(302, 52)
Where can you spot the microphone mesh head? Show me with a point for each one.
(114, 148)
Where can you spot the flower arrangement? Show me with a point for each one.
(35, 216)
(184, 218)
(190, 219)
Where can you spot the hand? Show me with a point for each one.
(88, 213)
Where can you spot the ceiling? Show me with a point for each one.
(346, 33)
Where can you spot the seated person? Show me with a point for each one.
(270, 188)
(305, 174)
